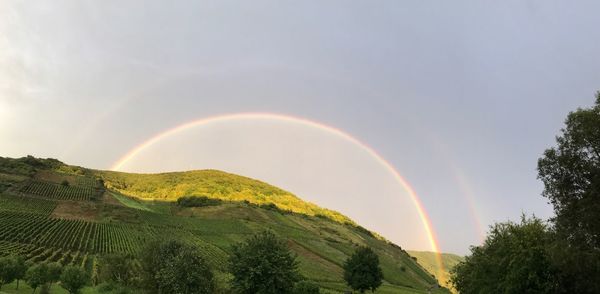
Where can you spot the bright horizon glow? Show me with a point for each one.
(433, 243)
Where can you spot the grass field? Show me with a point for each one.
(77, 230)
(428, 260)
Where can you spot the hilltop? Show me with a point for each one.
(50, 211)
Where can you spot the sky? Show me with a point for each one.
(461, 97)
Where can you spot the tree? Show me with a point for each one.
(174, 267)
(514, 258)
(306, 287)
(571, 176)
(73, 279)
(37, 275)
(263, 264)
(118, 268)
(7, 271)
(362, 271)
(20, 269)
(54, 272)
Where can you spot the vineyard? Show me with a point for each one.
(72, 219)
(58, 191)
(27, 204)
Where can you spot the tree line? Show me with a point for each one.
(562, 254)
(262, 264)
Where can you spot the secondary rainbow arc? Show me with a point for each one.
(287, 118)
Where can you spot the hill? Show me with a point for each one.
(50, 211)
(428, 260)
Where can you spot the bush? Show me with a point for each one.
(362, 271)
(73, 279)
(306, 287)
(175, 267)
(263, 264)
(197, 201)
(513, 259)
(118, 269)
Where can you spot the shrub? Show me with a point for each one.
(263, 264)
(306, 287)
(197, 201)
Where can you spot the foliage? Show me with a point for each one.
(571, 176)
(212, 184)
(73, 279)
(54, 272)
(174, 267)
(20, 268)
(263, 264)
(512, 259)
(362, 271)
(27, 165)
(306, 287)
(197, 201)
(118, 268)
(7, 271)
(37, 275)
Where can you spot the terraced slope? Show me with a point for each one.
(45, 225)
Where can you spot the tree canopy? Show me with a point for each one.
(571, 176)
(362, 271)
(263, 264)
(175, 267)
(512, 259)
(73, 279)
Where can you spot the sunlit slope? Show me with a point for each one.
(210, 183)
(428, 260)
(53, 212)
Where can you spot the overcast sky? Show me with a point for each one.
(462, 97)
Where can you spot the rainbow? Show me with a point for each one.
(291, 119)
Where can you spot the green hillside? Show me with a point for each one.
(428, 260)
(54, 212)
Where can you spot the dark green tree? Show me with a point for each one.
(54, 272)
(118, 268)
(20, 269)
(73, 279)
(362, 271)
(263, 264)
(306, 287)
(37, 275)
(175, 267)
(514, 258)
(7, 271)
(571, 176)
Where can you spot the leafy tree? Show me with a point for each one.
(306, 287)
(571, 176)
(73, 279)
(174, 267)
(37, 275)
(20, 269)
(7, 271)
(362, 271)
(263, 264)
(118, 268)
(513, 259)
(54, 272)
